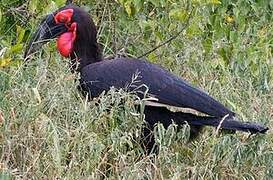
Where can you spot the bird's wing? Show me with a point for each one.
(166, 87)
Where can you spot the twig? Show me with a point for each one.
(220, 124)
(171, 38)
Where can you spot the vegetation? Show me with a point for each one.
(48, 130)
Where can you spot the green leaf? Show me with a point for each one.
(33, 4)
(60, 3)
(0, 15)
(179, 14)
(232, 104)
(52, 6)
(193, 30)
(214, 2)
(20, 34)
(129, 6)
(152, 57)
(17, 48)
(207, 44)
(138, 5)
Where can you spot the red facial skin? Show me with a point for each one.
(66, 41)
(64, 16)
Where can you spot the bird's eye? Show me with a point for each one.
(64, 16)
(62, 19)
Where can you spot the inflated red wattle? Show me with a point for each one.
(65, 44)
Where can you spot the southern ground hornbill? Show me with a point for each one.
(76, 39)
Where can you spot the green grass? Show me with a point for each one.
(48, 130)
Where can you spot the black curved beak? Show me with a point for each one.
(47, 30)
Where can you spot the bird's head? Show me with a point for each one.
(75, 32)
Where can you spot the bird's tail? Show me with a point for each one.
(155, 114)
(229, 123)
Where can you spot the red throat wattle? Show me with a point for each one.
(66, 41)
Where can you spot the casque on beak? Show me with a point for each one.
(47, 30)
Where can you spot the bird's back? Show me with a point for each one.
(166, 87)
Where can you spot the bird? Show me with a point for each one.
(76, 36)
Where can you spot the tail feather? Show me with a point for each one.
(230, 124)
(163, 115)
(154, 115)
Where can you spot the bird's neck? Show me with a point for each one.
(86, 49)
(85, 54)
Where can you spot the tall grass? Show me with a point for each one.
(49, 130)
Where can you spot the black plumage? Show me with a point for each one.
(98, 75)
(164, 86)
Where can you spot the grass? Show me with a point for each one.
(49, 131)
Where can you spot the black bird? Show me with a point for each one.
(76, 39)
